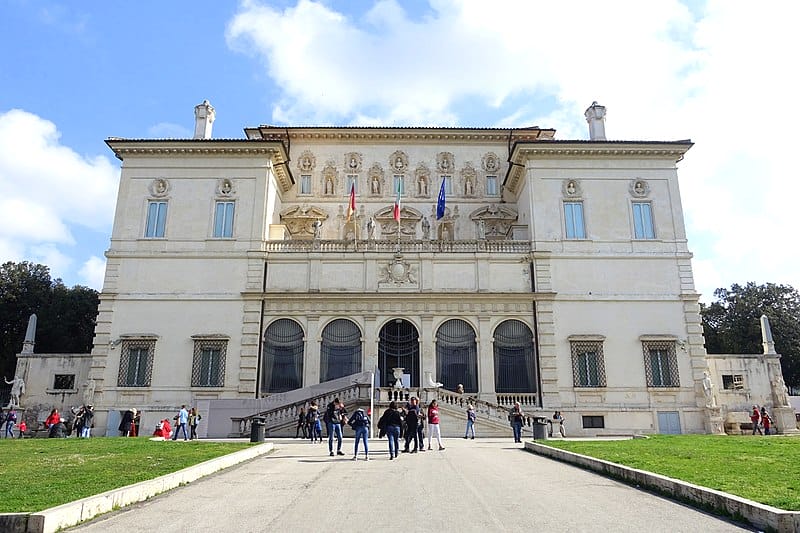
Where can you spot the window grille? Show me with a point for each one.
(208, 363)
(398, 347)
(732, 382)
(593, 422)
(660, 363)
(282, 368)
(64, 381)
(514, 364)
(588, 365)
(457, 356)
(136, 363)
(340, 353)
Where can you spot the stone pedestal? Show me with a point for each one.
(714, 422)
(784, 420)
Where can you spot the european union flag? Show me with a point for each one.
(440, 201)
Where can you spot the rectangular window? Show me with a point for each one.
(573, 219)
(352, 181)
(732, 381)
(448, 185)
(208, 365)
(593, 422)
(491, 185)
(643, 221)
(64, 381)
(397, 179)
(156, 219)
(588, 367)
(136, 363)
(661, 364)
(305, 184)
(223, 219)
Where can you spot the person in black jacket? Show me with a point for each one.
(412, 421)
(390, 423)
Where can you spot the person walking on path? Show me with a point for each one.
(433, 424)
(194, 419)
(390, 423)
(301, 424)
(412, 423)
(766, 420)
(755, 418)
(335, 414)
(517, 418)
(470, 421)
(182, 418)
(359, 421)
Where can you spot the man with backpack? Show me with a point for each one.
(359, 421)
(335, 414)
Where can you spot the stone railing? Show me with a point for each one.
(527, 400)
(288, 414)
(388, 245)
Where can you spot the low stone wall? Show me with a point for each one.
(761, 516)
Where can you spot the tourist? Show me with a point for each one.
(390, 424)
(194, 419)
(58, 430)
(334, 415)
(558, 418)
(412, 423)
(126, 427)
(52, 418)
(359, 421)
(181, 419)
(517, 418)
(421, 428)
(314, 423)
(23, 427)
(78, 421)
(766, 420)
(163, 429)
(11, 420)
(301, 424)
(433, 424)
(755, 417)
(470, 421)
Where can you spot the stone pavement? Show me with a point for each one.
(474, 485)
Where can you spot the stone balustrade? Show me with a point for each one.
(388, 245)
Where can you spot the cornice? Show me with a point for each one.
(403, 135)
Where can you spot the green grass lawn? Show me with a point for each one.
(36, 474)
(762, 469)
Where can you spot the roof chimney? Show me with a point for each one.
(596, 117)
(203, 120)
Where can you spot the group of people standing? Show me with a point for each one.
(761, 420)
(410, 422)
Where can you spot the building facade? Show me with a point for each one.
(556, 273)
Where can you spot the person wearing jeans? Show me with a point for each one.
(390, 423)
(359, 421)
(183, 418)
(470, 421)
(517, 418)
(334, 415)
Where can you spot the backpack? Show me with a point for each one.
(359, 420)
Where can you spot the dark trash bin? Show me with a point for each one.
(539, 428)
(257, 426)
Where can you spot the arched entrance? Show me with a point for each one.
(398, 346)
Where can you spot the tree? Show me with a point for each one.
(66, 317)
(731, 324)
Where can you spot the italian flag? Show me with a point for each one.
(397, 203)
(351, 207)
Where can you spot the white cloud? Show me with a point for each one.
(46, 189)
(664, 72)
(93, 272)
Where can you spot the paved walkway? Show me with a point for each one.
(473, 485)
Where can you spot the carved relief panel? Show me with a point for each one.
(493, 222)
(639, 188)
(445, 162)
(159, 187)
(306, 162)
(398, 162)
(303, 221)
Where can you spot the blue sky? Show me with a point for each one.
(74, 73)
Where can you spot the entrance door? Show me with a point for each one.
(398, 346)
(669, 423)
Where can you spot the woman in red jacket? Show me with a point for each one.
(433, 424)
(54, 418)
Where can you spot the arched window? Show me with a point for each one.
(457, 356)
(282, 368)
(340, 354)
(398, 347)
(514, 364)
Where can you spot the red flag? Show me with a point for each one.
(351, 208)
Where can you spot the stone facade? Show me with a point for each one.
(219, 247)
